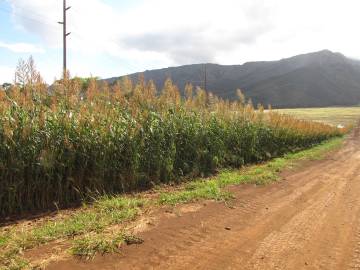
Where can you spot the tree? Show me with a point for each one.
(26, 73)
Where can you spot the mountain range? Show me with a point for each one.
(317, 79)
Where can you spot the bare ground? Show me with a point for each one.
(309, 220)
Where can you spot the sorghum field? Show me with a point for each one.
(76, 139)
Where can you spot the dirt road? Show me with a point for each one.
(310, 220)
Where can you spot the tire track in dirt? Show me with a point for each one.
(355, 261)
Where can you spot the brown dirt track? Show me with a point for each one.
(309, 220)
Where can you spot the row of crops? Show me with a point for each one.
(72, 142)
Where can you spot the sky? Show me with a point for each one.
(112, 38)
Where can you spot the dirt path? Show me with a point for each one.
(310, 220)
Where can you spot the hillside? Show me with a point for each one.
(316, 79)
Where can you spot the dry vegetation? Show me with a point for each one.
(62, 145)
(345, 116)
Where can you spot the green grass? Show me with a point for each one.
(105, 211)
(194, 191)
(4, 238)
(91, 244)
(331, 115)
(87, 229)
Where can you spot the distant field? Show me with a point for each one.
(331, 115)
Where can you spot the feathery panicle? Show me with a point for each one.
(62, 143)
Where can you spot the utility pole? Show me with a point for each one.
(65, 34)
(205, 78)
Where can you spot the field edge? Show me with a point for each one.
(87, 228)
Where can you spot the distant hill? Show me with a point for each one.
(316, 79)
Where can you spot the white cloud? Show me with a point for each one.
(6, 74)
(159, 33)
(22, 47)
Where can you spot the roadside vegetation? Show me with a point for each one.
(68, 143)
(85, 142)
(100, 227)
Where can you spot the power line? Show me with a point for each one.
(203, 81)
(205, 78)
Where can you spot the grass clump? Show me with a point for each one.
(200, 189)
(4, 238)
(90, 245)
(13, 262)
(119, 208)
(106, 211)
